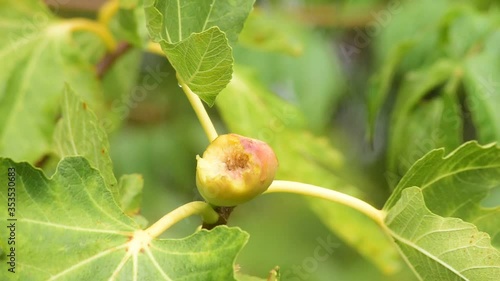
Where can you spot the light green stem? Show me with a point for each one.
(81, 24)
(200, 111)
(204, 209)
(328, 194)
(195, 101)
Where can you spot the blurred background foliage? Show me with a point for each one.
(349, 94)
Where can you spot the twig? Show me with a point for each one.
(224, 213)
(110, 58)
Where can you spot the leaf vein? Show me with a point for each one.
(86, 261)
(158, 267)
(76, 228)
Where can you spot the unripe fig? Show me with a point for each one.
(234, 169)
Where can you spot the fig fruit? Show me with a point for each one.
(235, 169)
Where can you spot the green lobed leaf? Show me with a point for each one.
(454, 185)
(174, 21)
(439, 248)
(249, 109)
(194, 36)
(70, 228)
(35, 45)
(203, 61)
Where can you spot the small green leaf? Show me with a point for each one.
(69, 227)
(79, 133)
(194, 36)
(455, 184)
(130, 189)
(174, 21)
(203, 61)
(438, 248)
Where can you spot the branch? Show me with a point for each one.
(110, 58)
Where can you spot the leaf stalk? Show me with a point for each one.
(154, 48)
(375, 214)
(194, 100)
(200, 111)
(204, 209)
(81, 24)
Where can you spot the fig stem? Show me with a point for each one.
(155, 48)
(224, 213)
(204, 209)
(200, 111)
(279, 186)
